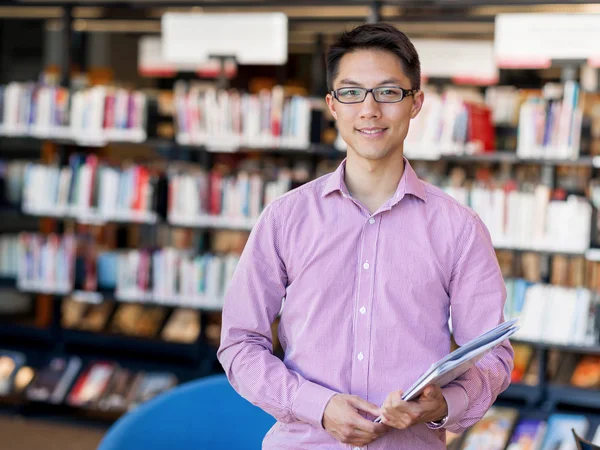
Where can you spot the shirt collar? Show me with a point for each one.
(409, 183)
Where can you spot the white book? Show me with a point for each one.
(596, 438)
(459, 361)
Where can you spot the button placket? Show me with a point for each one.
(362, 330)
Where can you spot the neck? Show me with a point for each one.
(373, 182)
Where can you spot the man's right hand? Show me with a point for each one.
(343, 421)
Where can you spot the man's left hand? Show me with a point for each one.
(430, 406)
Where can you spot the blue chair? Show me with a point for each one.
(199, 415)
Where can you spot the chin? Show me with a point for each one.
(372, 153)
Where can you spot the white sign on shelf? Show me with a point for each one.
(151, 62)
(534, 40)
(253, 38)
(465, 61)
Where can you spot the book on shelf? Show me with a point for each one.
(530, 220)
(454, 122)
(554, 314)
(91, 190)
(91, 385)
(527, 435)
(523, 355)
(100, 385)
(174, 277)
(10, 363)
(12, 174)
(550, 124)
(89, 116)
(148, 385)
(9, 255)
(116, 395)
(46, 263)
(226, 120)
(586, 373)
(51, 383)
(492, 432)
(559, 433)
(504, 102)
(197, 196)
(183, 326)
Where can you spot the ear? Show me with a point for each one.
(418, 100)
(331, 104)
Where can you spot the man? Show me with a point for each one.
(372, 262)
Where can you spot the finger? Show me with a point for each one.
(431, 392)
(396, 398)
(368, 426)
(359, 438)
(365, 406)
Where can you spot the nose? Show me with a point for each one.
(370, 108)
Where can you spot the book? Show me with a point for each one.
(522, 358)
(183, 326)
(115, 396)
(559, 435)
(91, 385)
(528, 435)
(150, 384)
(460, 360)
(587, 373)
(10, 363)
(52, 383)
(492, 432)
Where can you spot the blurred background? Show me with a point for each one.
(140, 140)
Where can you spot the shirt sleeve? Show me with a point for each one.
(477, 297)
(252, 302)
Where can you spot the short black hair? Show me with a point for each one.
(377, 36)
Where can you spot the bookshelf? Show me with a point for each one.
(195, 359)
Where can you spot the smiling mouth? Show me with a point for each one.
(371, 131)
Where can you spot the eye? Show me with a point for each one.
(349, 92)
(390, 92)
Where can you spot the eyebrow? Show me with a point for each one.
(384, 82)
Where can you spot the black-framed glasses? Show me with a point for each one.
(381, 94)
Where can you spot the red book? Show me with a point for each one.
(216, 185)
(109, 110)
(142, 179)
(480, 128)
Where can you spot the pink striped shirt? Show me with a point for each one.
(367, 303)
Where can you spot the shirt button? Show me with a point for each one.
(360, 356)
(366, 265)
(363, 310)
(371, 221)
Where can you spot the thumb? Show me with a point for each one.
(365, 406)
(429, 392)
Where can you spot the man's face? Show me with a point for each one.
(373, 130)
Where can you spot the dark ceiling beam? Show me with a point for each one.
(275, 3)
(472, 3)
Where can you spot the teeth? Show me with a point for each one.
(371, 131)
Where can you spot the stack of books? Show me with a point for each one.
(200, 198)
(550, 125)
(227, 120)
(455, 123)
(46, 263)
(172, 277)
(91, 191)
(102, 386)
(91, 116)
(9, 255)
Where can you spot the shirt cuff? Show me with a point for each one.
(311, 400)
(457, 401)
